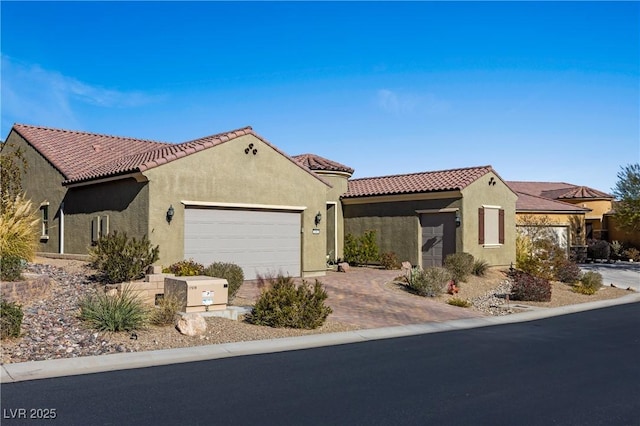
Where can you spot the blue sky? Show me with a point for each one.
(546, 91)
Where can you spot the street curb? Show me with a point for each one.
(34, 370)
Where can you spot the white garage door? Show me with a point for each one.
(260, 242)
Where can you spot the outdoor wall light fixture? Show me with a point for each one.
(170, 213)
(318, 218)
(458, 219)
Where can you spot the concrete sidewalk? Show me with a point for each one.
(96, 364)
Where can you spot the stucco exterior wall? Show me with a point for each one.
(339, 183)
(124, 201)
(397, 224)
(572, 221)
(481, 193)
(41, 183)
(225, 174)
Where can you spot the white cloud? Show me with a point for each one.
(32, 94)
(403, 103)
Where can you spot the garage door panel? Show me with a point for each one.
(261, 242)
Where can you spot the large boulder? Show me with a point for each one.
(191, 324)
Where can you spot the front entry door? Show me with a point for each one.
(438, 237)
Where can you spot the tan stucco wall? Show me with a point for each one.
(397, 224)
(476, 195)
(225, 174)
(339, 183)
(41, 183)
(618, 234)
(572, 221)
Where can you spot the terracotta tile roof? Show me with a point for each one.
(557, 190)
(78, 153)
(443, 180)
(316, 162)
(534, 203)
(83, 156)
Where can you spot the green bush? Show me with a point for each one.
(124, 311)
(460, 265)
(598, 249)
(122, 259)
(286, 304)
(456, 301)
(632, 253)
(10, 319)
(389, 261)
(567, 271)
(361, 250)
(480, 268)
(617, 250)
(11, 268)
(230, 272)
(185, 268)
(528, 287)
(590, 283)
(429, 282)
(165, 312)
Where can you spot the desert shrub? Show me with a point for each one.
(528, 287)
(230, 272)
(389, 260)
(18, 228)
(10, 319)
(286, 304)
(185, 268)
(567, 271)
(589, 283)
(121, 259)
(480, 268)
(11, 268)
(616, 250)
(430, 282)
(165, 311)
(632, 253)
(124, 311)
(460, 265)
(361, 250)
(456, 301)
(598, 249)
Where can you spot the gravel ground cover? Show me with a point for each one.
(51, 328)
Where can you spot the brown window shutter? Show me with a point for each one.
(481, 225)
(501, 226)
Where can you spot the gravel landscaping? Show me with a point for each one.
(51, 328)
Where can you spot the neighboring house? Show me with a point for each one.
(234, 197)
(423, 217)
(566, 203)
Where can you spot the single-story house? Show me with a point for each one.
(423, 217)
(578, 209)
(235, 197)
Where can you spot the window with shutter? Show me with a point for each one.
(490, 226)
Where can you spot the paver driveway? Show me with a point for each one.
(361, 297)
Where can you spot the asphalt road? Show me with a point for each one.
(579, 369)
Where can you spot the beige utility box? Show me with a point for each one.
(198, 293)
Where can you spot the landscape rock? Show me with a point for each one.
(192, 324)
(343, 267)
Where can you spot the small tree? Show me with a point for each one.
(12, 165)
(627, 193)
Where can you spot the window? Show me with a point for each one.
(490, 226)
(44, 221)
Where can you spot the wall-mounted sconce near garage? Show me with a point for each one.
(458, 219)
(318, 218)
(251, 149)
(170, 213)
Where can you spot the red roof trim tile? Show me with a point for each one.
(436, 181)
(316, 162)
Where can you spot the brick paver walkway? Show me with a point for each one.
(362, 298)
